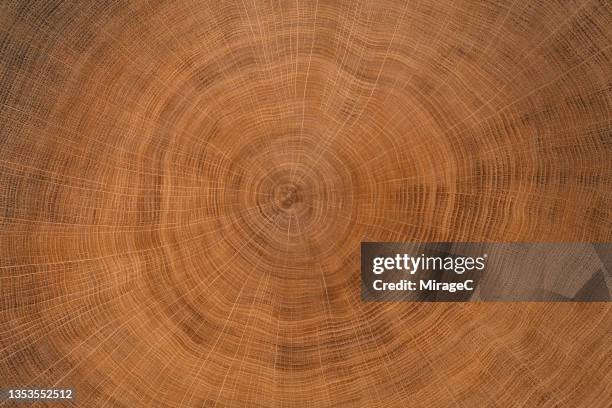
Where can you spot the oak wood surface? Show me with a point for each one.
(185, 184)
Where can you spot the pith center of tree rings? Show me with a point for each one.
(287, 196)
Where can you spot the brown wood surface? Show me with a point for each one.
(185, 184)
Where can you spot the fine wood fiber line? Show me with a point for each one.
(185, 186)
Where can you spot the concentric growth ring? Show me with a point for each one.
(185, 186)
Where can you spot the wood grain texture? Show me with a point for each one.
(185, 184)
